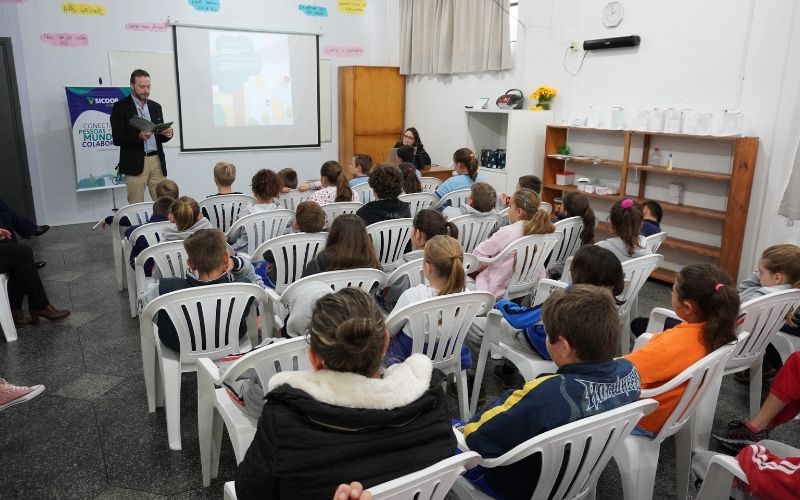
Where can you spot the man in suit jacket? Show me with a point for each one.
(141, 155)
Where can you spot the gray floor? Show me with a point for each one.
(90, 435)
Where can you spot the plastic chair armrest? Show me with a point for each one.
(642, 340)
(461, 442)
(658, 317)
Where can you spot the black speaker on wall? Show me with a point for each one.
(612, 43)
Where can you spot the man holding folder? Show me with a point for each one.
(141, 155)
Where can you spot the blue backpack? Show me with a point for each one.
(529, 321)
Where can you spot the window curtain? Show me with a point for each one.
(454, 36)
(790, 205)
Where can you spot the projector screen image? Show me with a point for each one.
(247, 89)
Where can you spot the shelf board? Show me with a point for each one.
(681, 172)
(658, 134)
(588, 161)
(492, 170)
(706, 213)
(569, 189)
(676, 243)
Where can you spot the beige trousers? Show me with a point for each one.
(151, 175)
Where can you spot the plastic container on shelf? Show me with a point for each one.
(565, 178)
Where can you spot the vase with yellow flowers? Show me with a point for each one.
(544, 97)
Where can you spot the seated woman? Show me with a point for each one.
(411, 138)
(16, 260)
(347, 417)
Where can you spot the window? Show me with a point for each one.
(513, 11)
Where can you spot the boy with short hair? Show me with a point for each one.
(360, 168)
(531, 182)
(481, 201)
(167, 187)
(588, 381)
(208, 259)
(160, 214)
(224, 176)
(651, 213)
(289, 178)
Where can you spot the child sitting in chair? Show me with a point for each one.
(224, 177)
(651, 218)
(481, 201)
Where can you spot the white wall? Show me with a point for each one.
(43, 71)
(692, 55)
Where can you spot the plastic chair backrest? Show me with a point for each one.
(365, 194)
(136, 213)
(364, 278)
(418, 201)
(429, 184)
(571, 229)
(431, 483)
(413, 270)
(439, 325)
(206, 318)
(763, 317)
(293, 198)
(474, 229)
(574, 455)
(390, 238)
(291, 252)
(225, 209)
(530, 254)
(333, 210)
(504, 214)
(718, 482)
(654, 241)
(262, 226)
(544, 288)
(170, 262)
(455, 198)
(152, 233)
(281, 356)
(636, 272)
(696, 380)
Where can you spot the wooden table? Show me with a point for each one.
(441, 173)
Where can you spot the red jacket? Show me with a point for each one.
(770, 476)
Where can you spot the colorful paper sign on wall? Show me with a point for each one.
(96, 157)
(66, 39)
(352, 6)
(205, 5)
(313, 10)
(344, 51)
(83, 9)
(13, 1)
(147, 26)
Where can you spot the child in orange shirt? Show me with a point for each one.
(708, 304)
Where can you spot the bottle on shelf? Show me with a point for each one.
(669, 162)
(655, 158)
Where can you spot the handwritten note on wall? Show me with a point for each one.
(66, 39)
(147, 26)
(352, 6)
(83, 9)
(340, 51)
(313, 10)
(205, 5)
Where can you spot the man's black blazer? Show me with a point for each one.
(131, 148)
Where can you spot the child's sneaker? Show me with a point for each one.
(11, 394)
(739, 435)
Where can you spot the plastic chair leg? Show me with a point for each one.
(205, 418)
(131, 277)
(463, 404)
(216, 443)
(683, 460)
(6, 320)
(171, 372)
(149, 369)
(637, 459)
(703, 419)
(756, 376)
(116, 243)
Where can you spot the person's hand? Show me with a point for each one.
(167, 133)
(303, 187)
(5, 234)
(285, 189)
(505, 199)
(351, 491)
(145, 135)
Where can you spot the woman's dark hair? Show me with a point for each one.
(348, 332)
(593, 265)
(411, 182)
(417, 140)
(466, 157)
(576, 204)
(626, 221)
(432, 223)
(406, 154)
(386, 181)
(348, 245)
(332, 171)
(710, 289)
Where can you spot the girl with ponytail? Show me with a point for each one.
(383, 423)
(577, 205)
(708, 305)
(525, 219)
(334, 185)
(184, 213)
(626, 222)
(466, 167)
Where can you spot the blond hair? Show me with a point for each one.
(224, 173)
(185, 211)
(537, 221)
(446, 257)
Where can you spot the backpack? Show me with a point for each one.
(529, 321)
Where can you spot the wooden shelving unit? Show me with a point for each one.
(737, 181)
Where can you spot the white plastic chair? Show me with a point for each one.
(260, 227)
(438, 327)
(636, 273)
(418, 201)
(365, 193)
(547, 207)
(570, 243)
(785, 344)
(6, 319)
(718, 481)
(292, 252)
(530, 254)
(225, 209)
(136, 214)
(431, 483)
(474, 229)
(504, 214)
(207, 320)
(654, 241)
(637, 458)
(455, 198)
(293, 198)
(152, 233)
(572, 456)
(215, 407)
(333, 210)
(170, 262)
(390, 238)
(230, 490)
(429, 184)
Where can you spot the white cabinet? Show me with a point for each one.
(520, 132)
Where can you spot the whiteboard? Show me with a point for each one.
(161, 66)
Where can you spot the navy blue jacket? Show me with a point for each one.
(650, 227)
